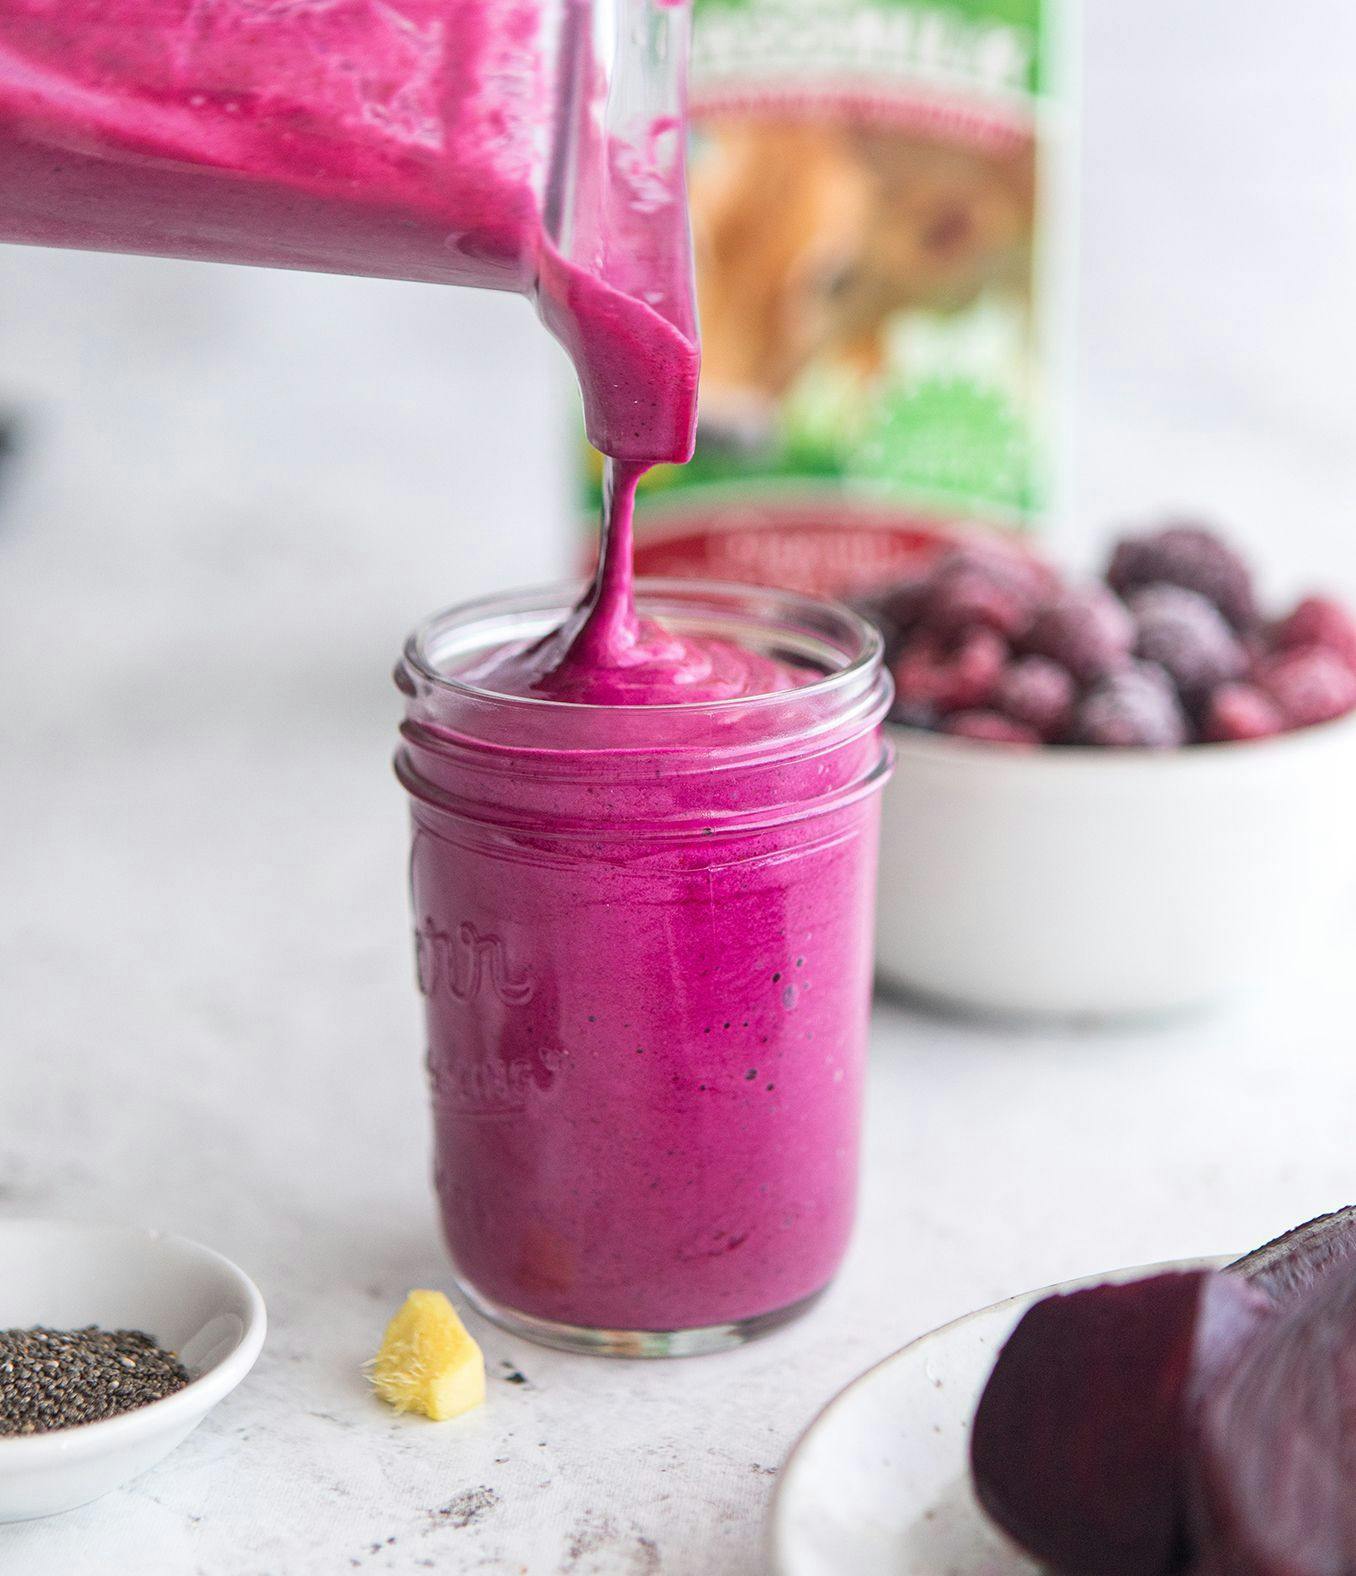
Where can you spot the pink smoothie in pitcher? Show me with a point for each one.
(439, 140)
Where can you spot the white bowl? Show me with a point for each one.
(1110, 882)
(189, 1299)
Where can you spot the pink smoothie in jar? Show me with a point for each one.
(643, 930)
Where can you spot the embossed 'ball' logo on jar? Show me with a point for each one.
(467, 1075)
(464, 963)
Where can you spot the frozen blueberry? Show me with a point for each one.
(1136, 706)
(1037, 694)
(991, 726)
(1191, 557)
(1318, 621)
(949, 675)
(1086, 631)
(1241, 711)
(1309, 685)
(1186, 634)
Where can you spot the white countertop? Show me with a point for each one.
(238, 492)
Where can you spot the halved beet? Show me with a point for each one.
(1276, 1455)
(1290, 1265)
(1081, 1439)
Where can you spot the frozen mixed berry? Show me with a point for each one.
(949, 675)
(1236, 712)
(1135, 706)
(982, 582)
(963, 595)
(1188, 635)
(1191, 557)
(1318, 621)
(998, 555)
(991, 726)
(896, 611)
(1086, 631)
(1309, 686)
(1037, 694)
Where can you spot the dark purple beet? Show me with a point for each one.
(1276, 1455)
(1293, 1263)
(1080, 1443)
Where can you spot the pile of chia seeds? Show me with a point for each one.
(52, 1379)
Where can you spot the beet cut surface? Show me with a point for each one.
(1081, 1441)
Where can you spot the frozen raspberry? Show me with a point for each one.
(1319, 621)
(949, 675)
(1241, 711)
(1193, 558)
(1309, 685)
(1038, 694)
(1186, 634)
(1086, 631)
(1136, 706)
(990, 726)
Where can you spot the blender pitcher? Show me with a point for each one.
(527, 145)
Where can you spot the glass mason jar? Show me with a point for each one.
(644, 941)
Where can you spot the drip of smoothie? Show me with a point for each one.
(606, 654)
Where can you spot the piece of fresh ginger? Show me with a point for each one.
(428, 1361)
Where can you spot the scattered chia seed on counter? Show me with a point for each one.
(52, 1379)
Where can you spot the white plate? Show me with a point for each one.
(187, 1298)
(879, 1484)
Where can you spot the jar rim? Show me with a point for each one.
(860, 642)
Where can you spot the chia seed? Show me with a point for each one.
(52, 1379)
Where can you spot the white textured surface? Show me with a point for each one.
(239, 491)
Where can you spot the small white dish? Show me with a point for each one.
(879, 1484)
(187, 1298)
(1105, 883)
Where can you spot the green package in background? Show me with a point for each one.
(879, 212)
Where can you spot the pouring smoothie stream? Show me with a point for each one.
(644, 816)
(528, 145)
